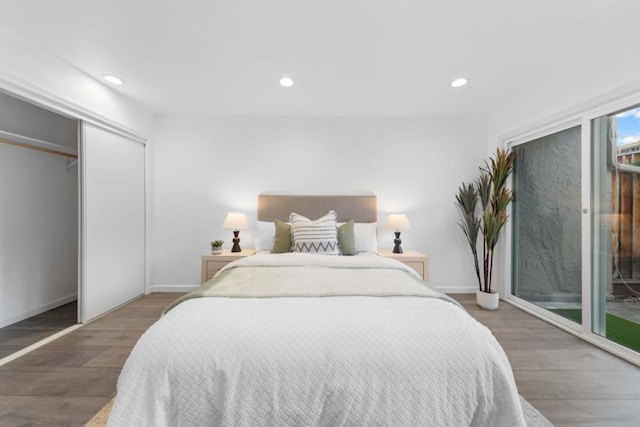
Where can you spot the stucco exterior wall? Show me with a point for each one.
(547, 217)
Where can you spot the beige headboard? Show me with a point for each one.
(360, 208)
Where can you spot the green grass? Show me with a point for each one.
(620, 330)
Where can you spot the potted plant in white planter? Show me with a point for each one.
(216, 246)
(486, 218)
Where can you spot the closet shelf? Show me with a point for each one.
(37, 144)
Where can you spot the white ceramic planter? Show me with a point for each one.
(215, 250)
(488, 301)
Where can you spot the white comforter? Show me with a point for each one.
(317, 361)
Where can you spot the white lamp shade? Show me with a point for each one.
(397, 222)
(236, 221)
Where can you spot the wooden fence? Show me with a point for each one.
(625, 244)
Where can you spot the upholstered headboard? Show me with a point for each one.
(360, 208)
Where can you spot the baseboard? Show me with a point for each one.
(456, 290)
(173, 288)
(189, 288)
(46, 307)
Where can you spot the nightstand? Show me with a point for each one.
(419, 262)
(212, 263)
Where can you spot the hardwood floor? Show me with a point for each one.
(567, 379)
(29, 331)
(68, 380)
(570, 381)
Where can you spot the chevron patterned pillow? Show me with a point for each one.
(319, 236)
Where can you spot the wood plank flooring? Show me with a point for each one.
(567, 379)
(29, 331)
(68, 380)
(570, 381)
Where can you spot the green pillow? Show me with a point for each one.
(347, 238)
(282, 241)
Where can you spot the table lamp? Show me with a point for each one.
(397, 222)
(236, 221)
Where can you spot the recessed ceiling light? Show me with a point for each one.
(286, 82)
(113, 80)
(459, 82)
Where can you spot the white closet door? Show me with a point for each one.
(113, 220)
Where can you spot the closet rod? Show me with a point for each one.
(36, 144)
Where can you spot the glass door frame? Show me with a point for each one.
(521, 303)
(583, 117)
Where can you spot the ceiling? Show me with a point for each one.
(347, 57)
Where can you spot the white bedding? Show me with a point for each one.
(317, 361)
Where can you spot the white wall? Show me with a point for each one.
(38, 233)
(204, 167)
(38, 214)
(35, 74)
(25, 119)
(31, 73)
(541, 106)
(547, 105)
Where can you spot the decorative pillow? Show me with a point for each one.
(265, 232)
(347, 238)
(319, 236)
(366, 236)
(282, 241)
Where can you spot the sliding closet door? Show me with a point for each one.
(113, 220)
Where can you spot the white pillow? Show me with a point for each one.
(265, 233)
(319, 236)
(366, 236)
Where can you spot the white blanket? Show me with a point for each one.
(317, 361)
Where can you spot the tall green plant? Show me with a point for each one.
(489, 217)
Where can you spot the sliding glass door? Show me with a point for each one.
(616, 227)
(575, 229)
(546, 214)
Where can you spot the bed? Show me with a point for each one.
(302, 339)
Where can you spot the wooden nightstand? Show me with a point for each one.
(419, 262)
(212, 263)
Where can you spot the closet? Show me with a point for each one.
(73, 218)
(113, 220)
(38, 223)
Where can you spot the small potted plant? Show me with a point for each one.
(483, 210)
(216, 247)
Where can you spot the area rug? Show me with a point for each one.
(100, 419)
(531, 414)
(533, 417)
